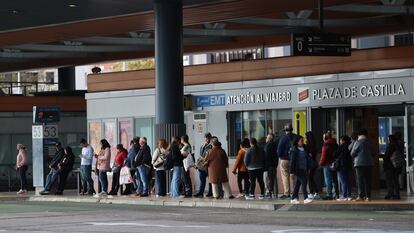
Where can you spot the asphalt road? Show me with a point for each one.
(80, 217)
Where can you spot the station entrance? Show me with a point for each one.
(379, 121)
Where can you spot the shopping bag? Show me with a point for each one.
(125, 176)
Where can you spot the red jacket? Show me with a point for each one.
(120, 158)
(328, 148)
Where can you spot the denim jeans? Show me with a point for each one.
(138, 182)
(203, 176)
(343, 176)
(103, 180)
(176, 181)
(50, 179)
(144, 173)
(328, 180)
(300, 180)
(161, 182)
(86, 179)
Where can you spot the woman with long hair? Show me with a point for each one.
(119, 162)
(21, 167)
(299, 165)
(174, 149)
(158, 159)
(311, 149)
(189, 164)
(391, 173)
(103, 160)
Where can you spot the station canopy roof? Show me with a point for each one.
(44, 33)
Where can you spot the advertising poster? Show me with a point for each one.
(110, 136)
(95, 135)
(125, 132)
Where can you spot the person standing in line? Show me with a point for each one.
(202, 170)
(310, 147)
(86, 168)
(343, 157)
(103, 160)
(254, 161)
(283, 148)
(329, 147)
(53, 174)
(362, 153)
(116, 168)
(299, 167)
(354, 138)
(177, 167)
(160, 173)
(270, 170)
(129, 162)
(240, 169)
(188, 165)
(217, 163)
(392, 173)
(65, 167)
(143, 165)
(21, 167)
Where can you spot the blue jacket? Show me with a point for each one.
(252, 161)
(285, 143)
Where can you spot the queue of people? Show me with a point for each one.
(296, 157)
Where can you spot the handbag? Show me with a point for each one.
(397, 159)
(334, 166)
(159, 161)
(200, 164)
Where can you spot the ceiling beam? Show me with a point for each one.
(236, 33)
(81, 48)
(380, 9)
(357, 22)
(43, 55)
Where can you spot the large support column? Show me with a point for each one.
(67, 78)
(169, 84)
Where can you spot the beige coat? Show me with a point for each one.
(217, 162)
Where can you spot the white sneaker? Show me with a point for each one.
(103, 193)
(349, 199)
(261, 197)
(310, 196)
(341, 199)
(294, 201)
(316, 197)
(21, 191)
(96, 195)
(308, 200)
(249, 197)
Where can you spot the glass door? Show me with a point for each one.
(409, 135)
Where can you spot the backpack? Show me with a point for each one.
(397, 159)
(169, 160)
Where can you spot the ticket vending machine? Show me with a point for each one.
(44, 137)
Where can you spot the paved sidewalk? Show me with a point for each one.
(407, 202)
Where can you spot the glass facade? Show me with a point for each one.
(255, 124)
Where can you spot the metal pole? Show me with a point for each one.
(320, 7)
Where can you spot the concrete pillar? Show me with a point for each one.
(169, 84)
(67, 78)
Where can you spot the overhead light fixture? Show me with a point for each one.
(15, 12)
(72, 5)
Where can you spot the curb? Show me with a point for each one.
(270, 206)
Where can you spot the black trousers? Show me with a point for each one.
(254, 175)
(23, 179)
(115, 183)
(243, 177)
(63, 175)
(313, 187)
(363, 174)
(392, 180)
(188, 186)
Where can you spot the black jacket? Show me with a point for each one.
(270, 153)
(294, 162)
(57, 158)
(66, 164)
(143, 156)
(391, 148)
(178, 157)
(343, 156)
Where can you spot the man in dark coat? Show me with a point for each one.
(53, 174)
(271, 162)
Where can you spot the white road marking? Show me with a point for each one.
(336, 230)
(143, 225)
